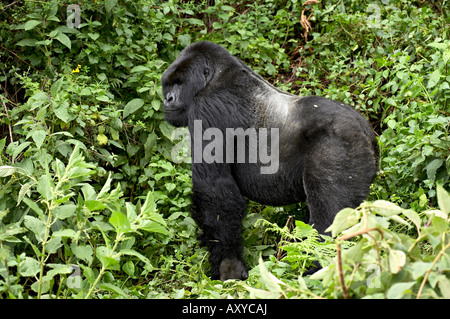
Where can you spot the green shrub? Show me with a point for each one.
(91, 203)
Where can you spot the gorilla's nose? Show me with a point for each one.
(169, 99)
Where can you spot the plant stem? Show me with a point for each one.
(100, 274)
(422, 285)
(43, 256)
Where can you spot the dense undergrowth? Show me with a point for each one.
(92, 206)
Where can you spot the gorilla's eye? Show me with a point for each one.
(206, 72)
(177, 81)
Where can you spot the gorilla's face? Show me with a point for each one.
(182, 81)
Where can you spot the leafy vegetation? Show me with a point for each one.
(92, 205)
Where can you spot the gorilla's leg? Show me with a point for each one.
(337, 174)
(218, 210)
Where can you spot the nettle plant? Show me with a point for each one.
(64, 227)
(381, 250)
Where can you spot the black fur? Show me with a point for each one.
(328, 154)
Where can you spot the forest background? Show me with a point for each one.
(92, 204)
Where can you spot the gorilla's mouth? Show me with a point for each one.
(172, 110)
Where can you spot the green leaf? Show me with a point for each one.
(434, 79)
(104, 255)
(68, 233)
(62, 113)
(32, 204)
(94, 205)
(44, 187)
(39, 137)
(149, 205)
(433, 166)
(140, 68)
(83, 252)
(397, 260)
(345, 219)
(398, 290)
(29, 25)
(153, 227)
(19, 149)
(29, 267)
(53, 245)
(414, 217)
(120, 222)
(271, 282)
(64, 211)
(115, 289)
(27, 42)
(443, 198)
(132, 107)
(385, 208)
(36, 225)
(131, 252)
(7, 170)
(64, 39)
(109, 4)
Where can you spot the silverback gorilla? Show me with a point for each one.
(326, 153)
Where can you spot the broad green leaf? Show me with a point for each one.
(24, 190)
(94, 205)
(109, 4)
(69, 233)
(64, 211)
(153, 227)
(132, 107)
(271, 282)
(29, 267)
(7, 170)
(432, 167)
(444, 286)
(149, 205)
(120, 222)
(31, 24)
(434, 78)
(397, 260)
(39, 137)
(140, 68)
(385, 208)
(83, 252)
(32, 204)
(44, 187)
(57, 269)
(104, 255)
(36, 225)
(414, 217)
(64, 39)
(398, 290)
(344, 219)
(27, 42)
(418, 269)
(113, 288)
(131, 252)
(53, 245)
(19, 149)
(62, 113)
(443, 198)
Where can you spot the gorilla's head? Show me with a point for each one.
(196, 68)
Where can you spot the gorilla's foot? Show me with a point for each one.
(232, 269)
